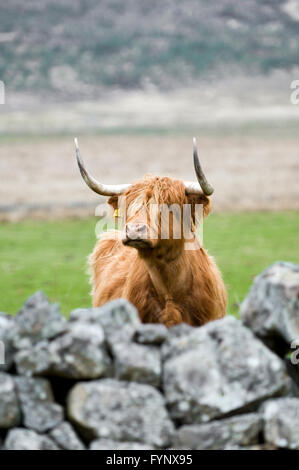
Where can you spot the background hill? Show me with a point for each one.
(73, 49)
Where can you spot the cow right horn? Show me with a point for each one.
(99, 188)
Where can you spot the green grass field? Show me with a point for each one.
(52, 255)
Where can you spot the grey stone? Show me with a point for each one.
(281, 422)
(137, 363)
(9, 405)
(40, 413)
(271, 309)
(80, 353)
(242, 430)
(25, 439)
(108, 444)
(175, 332)
(292, 370)
(119, 318)
(6, 347)
(34, 360)
(151, 333)
(65, 437)
(121, 411)
(181, 329)
(37, 320)
(254, 447)
(219, 369)
(262, 447)
(85, 315)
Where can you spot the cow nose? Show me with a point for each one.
(136, 231)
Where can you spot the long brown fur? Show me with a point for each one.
(166, 283)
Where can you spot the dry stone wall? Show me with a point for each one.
(103, 380)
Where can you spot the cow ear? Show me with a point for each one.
(113, 201)
(200, 199)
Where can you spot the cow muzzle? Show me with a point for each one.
(136, 235)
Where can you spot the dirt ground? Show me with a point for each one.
(39, 176)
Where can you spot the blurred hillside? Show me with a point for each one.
(77, 49)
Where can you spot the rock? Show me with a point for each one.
(292, 371)
(179, 330)
(137, 363)
(176, 331)
(271, 309)
(281, 422)
(151, 333)
(80, 353)
(85, 315)
(34, 360)
(261, 447)
(106, 444)
(37, 320)
(255, 447)
(9, 405)
(65, 437)
(25, 439)
(6, 347)
(219, 369)
(40, 413)
(121, 411)
(119, 318)
(240, 430)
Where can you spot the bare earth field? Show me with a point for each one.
(246, 129)
(40, 178)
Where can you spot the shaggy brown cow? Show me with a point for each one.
(166, 282)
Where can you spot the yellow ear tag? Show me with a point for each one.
(116, 213)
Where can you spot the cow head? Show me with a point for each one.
(158, 213)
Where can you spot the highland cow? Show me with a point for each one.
(166, 282)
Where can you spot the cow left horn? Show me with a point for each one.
(192, 188)
(99, 188)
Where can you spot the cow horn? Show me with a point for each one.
(192, 188)
(99, 188)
